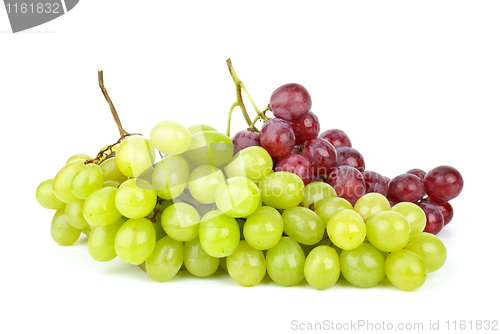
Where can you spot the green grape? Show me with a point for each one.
(62, 232)
(89, 179)
(405, 270)
(282, 190)
(110, 183)
(135, 155)
(170, 137)
(327, 207)
(388, 231)
(61, 185)
(181, 222)
(210, 148)
(74, 214)
(78, 156)
(263, 228)
(135, 198)
(87, 231)
(135, 240)
(166, 260)
(322, 267)
(285, 262)
(111, 172)
(363, 266)
(303, 225)
(413, 214)
(316, 191)
(252, 162)
(370, 204)
(100, 209)
(430, 248)
(203, 183)
(197, 261)
(346, 229)
(102, 241)
(46, 198)
(170, 177)
(107, 151)
(219, 234)
(195, 128)
(237, 197)
(247, 265)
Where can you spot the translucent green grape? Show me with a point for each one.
(170, 177)
(110, 183)
(346, 229)
(363, 266)
(195, 128)
(135, 240)
(74, 214)
(388, 231)
(246, 265)
(78, 156)
(101, 243)
(135, 155)
(263, 228)
(252, 162)
(46, 198)
(111, 172)
(282, 190)
(61, 185)
(370, 204)
(303, 225)
(405, 270)
(170, 137)
(99, 208)
(322, 267)
(197, 261)
(166, 260)
(181, 222)
(413, 214)
(430, 248)
(316, 191)
(285, 262)
(327, 207)
(210, 148)
(219, 234)
(237, 197)
(203, 183)
(62, 232)
(89, 179)
(135, 198)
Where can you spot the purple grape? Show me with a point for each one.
(348, 156)
(443, 183)
(435, 219)
(290, 101)
(375, 183)
(406, 188)
(244, 139)
(336, 137)
(277, 138)
(348, 182)
(304, 128)
(297, 164)
(321, 154)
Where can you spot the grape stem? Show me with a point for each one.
(123, 133)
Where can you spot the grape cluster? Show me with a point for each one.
(285, 200)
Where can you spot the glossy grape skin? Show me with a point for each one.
(135, 155)
(348, 156)
(327, 207)
(180, 221)
(363, 266)
(322, 267)
(290, 101)
(321, 154)
(263, 228)
(210, 148)
(111, 172)
(74, 214)
(78, 156)
(346, 229)
(445, 208)
(282, 190)
(252, 162)
(237, 197)
(170, 177)
(246, 265)
(406, 188)
(203, 183)
(417, 172)
(315, 192)
(277, 138)
(166, 259)
(430, 248)
(388, 231)
(61, 185)
(443, 183)
(135, 240)
(195, 128)
(170, 137)
(434, 218)
(135, 198)
(297, 164)
(89, 179)
(219, 234)
(99, 208)
(413, 214)
(305, 128)
(375, 183)
(336, 137)
(197, 261)
(405, 270)
(61, 231)
(244, 139)
(46, 198)
(303, 225)
(101, 242)
(370, 204)
(285, 262)
(348, 182)
(110, 183)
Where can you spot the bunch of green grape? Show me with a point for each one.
(201, 206)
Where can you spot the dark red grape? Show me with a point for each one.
(443, 183)
(297, 164)
(435, 219)
(290, 101)
(348, 156)
(375, 183)
(306, 127)
(418, 172)
(348, 182)
(277, 138)
(336, 137)
(445, 208)
(406, 188)
(244, 139)
(321, 154)
(387, 179)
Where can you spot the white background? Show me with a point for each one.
(413, 83)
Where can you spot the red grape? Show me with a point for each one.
(348, 156)
(297, 164)
(348, 182)
(277, 138)
(375, 183)
(336, 137)
(435, 220)
(406, 188)
(244, 139)
(445, 208)
(290, 101)
(306, 127)
(418, 172)
(321, 154)
(443, 183)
